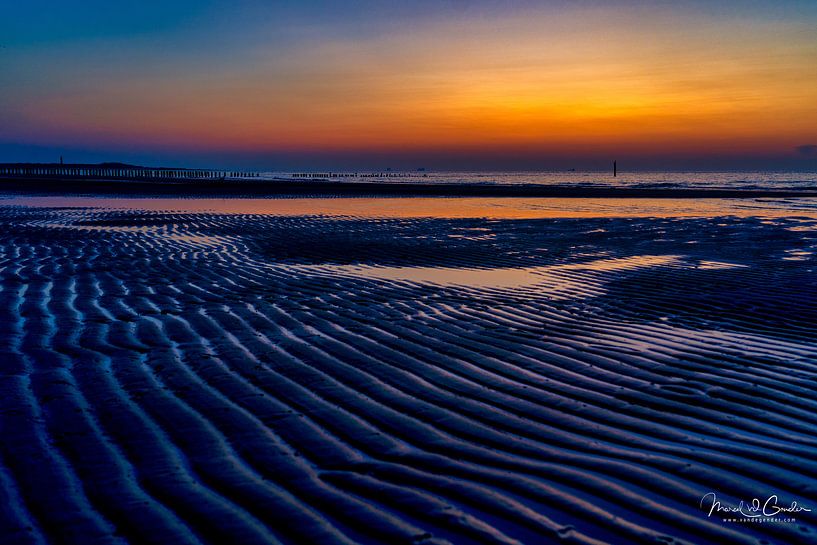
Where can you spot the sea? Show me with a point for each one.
(643, 179)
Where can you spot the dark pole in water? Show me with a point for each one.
(614, 169)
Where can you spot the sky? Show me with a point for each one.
(449, 85)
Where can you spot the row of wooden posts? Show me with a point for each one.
(66, 171)
(350, 175)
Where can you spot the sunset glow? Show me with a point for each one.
(533, 85)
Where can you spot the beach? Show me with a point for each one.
(407, 370)
(458, 185)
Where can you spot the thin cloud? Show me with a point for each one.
(807, 149)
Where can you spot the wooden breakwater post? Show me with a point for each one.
(115, 171)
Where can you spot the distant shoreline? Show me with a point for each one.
(325, 188)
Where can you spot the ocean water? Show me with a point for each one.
(662, 179)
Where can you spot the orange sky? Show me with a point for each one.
(588, 80)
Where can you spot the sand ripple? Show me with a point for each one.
(214, 378)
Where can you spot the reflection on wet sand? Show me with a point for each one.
(454, 207)
(355, 370)
(556, 277)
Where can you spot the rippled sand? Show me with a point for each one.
(192, 373)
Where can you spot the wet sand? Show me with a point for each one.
(201, 374)
(331, 188)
